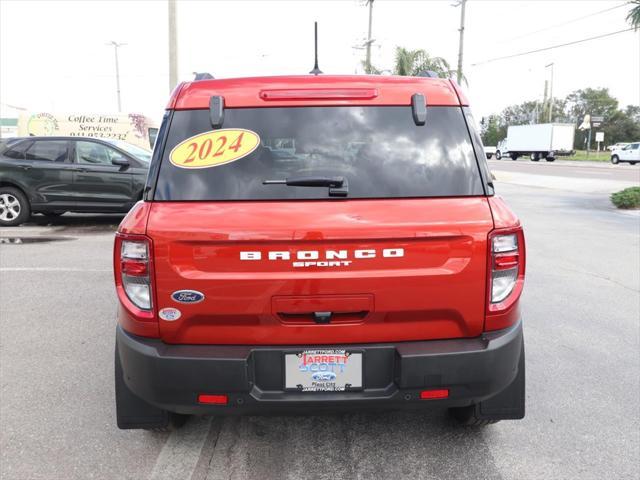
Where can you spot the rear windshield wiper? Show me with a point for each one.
(338, 186)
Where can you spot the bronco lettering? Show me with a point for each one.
(328, 255)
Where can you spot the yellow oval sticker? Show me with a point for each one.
(215, 148)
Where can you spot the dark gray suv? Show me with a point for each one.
(53, 175)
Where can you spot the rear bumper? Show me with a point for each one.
(171, 376)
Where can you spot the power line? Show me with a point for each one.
(565, 23)
(551, 47)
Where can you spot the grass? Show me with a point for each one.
(604, 156)
(627, 198)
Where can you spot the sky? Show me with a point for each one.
(54, 57)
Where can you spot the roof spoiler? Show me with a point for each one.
(216, 110)
(419, 108)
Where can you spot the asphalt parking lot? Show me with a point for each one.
(582, 330)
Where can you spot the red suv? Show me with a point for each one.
(316, 243)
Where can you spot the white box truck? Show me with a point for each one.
(544, 140)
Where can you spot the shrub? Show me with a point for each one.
(627, 198)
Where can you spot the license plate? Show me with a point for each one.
(323, 371)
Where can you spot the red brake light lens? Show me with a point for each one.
(320, 94)
(434, 394)
(134, 268)
(213, 399)
(505, 261)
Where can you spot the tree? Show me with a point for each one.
(634, 15)
(492, 130)
(414, 62)
(622, 126)
(593, 101)
(634, 112)
(558, 114)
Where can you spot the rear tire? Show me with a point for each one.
(514, 157)
(14, 207)
(466, 416)
(614, 159)
(535, 157)
(489, 156)
(174, 422)
(633, 163)
(551, 159)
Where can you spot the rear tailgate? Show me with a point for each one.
(386, 269)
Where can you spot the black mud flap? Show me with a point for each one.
(509, 403)
(133, 412)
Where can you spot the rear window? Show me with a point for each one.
(380, 152)
(15, 150)
(48, 151)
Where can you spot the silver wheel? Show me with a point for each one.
(10, 207)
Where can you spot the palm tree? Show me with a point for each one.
(634, 15)
(414, 62)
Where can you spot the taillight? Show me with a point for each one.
(134, 273)
(506, 267)
(134, 258)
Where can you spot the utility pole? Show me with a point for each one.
(115, 46)
(550, 93)
(173, 46)
(544, 98)
(462, 4)
(367, 65)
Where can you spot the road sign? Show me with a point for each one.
(599, 136)
(597, 119)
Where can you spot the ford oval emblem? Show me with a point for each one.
(187, 296)
(324, 376)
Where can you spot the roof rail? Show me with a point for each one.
(203, 76)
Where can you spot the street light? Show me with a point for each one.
(115, 49)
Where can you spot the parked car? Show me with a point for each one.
(629, 153)
(53, 175)
(489, 152)
(617, 146)
(386, 275)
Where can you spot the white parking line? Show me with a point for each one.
(53, 269)
(180, 454)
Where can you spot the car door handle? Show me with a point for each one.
(78, 169)
(25, 167)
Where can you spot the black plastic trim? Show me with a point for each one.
(156, 158)
(170, 377)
